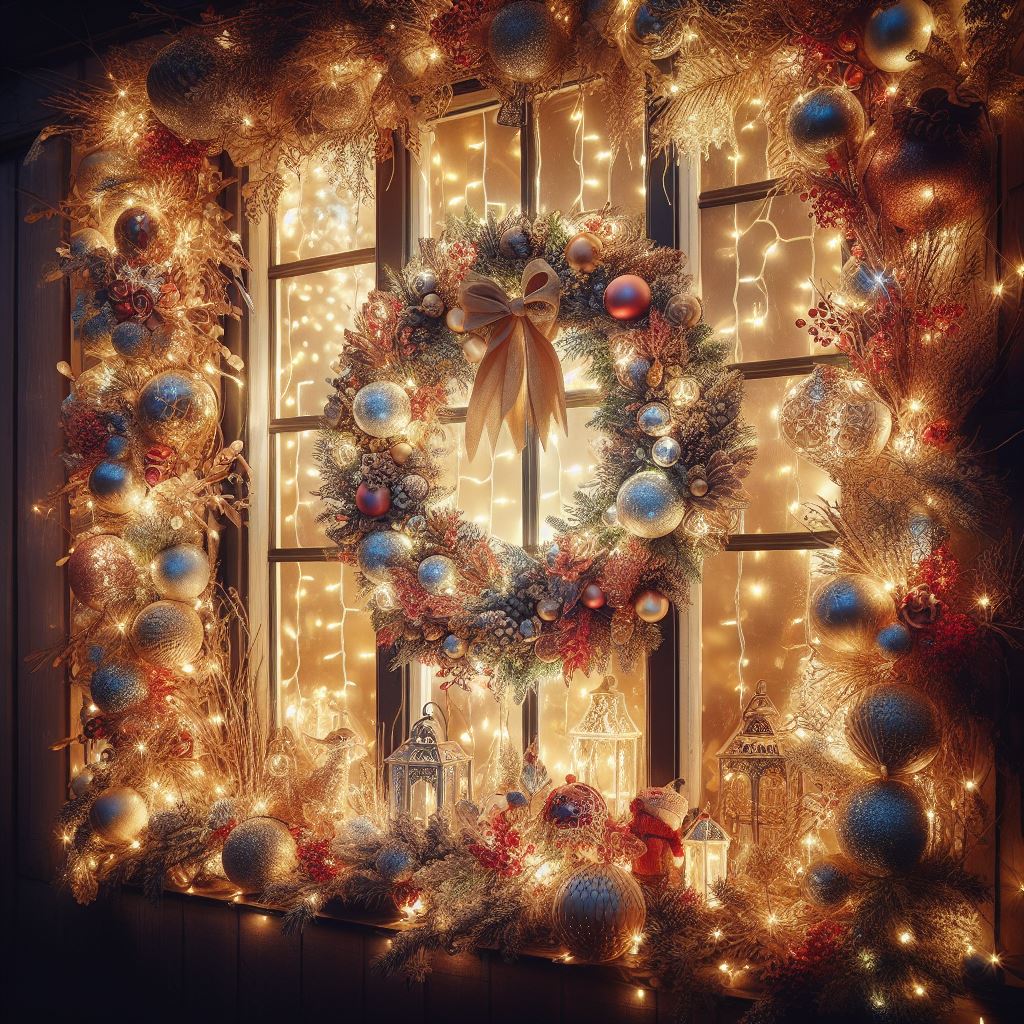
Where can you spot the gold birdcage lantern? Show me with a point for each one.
(429, 773)
(605, 747)
(706, 849)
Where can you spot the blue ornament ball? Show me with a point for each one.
(826, 882)
(181, 572)
(113, 486)
(848, 611)
(177, 408)
(823, 121)
(117, 446)
(130, 339)
(883, 827)
(117, 686)
(894, 640)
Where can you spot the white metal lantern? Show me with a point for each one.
(706, 848)
(428, 773)
(605, 747)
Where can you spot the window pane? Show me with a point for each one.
(312, 314)
(722, 169)
(297, 478)
(568, 463)
(316, 218)
(326, 650)
(760, 265)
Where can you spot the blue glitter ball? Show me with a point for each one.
(118, 686)
(113, 486)
(883, 827)
(116, 446)
(894, 640)
(130, 339)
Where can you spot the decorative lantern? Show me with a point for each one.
(605, 747)
(758, 785)
(706, 848)
(428, 773)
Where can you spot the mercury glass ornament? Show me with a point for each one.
(862, 285)
(188, 85)
(648, 505)
(627, 297)
(893, 31)
(438, 574)
(834, 419)
(82, 781)
(824, 121)
(113, 486)
(847, 611)
(102, 571)
(382, 409)
(665, 452)
(380, 552)
(651, 605)
(178, 408)
(137, 232)
(524, 41)
(654, 419)
(632, 372)
(117, 686)
(894, 640)
(893, 729)
(597, 911)
(432, 305)
(514, 244)
(454, 647)
(395, 863)
(118, 815)
(168, 634)
(826, 882)
(424, 283)
(258, 852)
(684, 391)
(180, 572)
(583, 252)
(883, 827)
(684, 311)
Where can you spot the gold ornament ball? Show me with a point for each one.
(597, 911)
(651, 605)
(102, 170)
(455, 319)
(648, 505)
(400, 452)
(847, 612)
(548, 609)
(118, 815)
(432, 305)
(180, 572)
(342, 108)
(893, 31)
(893, 729)
(168, 634)
(259, 852)
(684, 311)
(102, 571)
(188, 85)
(474, 348)
(824, 121)
(178, 408)
(583, 252)
(524, 41)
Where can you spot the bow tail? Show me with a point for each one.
(545, 386)
(500, 378)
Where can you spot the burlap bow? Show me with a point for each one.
(520, 377)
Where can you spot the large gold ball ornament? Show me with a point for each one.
(597, 911)
(114, 487)
(848, 611)
(343, 108)
(651, 605)
(382, 409)
(168, 634)
(380, 552)
(103, 170)
(893, 729)
(524, 41)
(883, 827)
(259, 852)
(178, 408)
(824, 121)
(117, 686)
(583, 252)
(188, 85)
(648, 505)
(102, 571)
(894, 30)
(180, 572)
(118, 815)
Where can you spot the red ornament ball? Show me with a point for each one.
(593, 596)
(574, 805)
(627, 297)
(136, 232)
(373, 501)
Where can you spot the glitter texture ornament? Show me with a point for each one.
(894, 640)
(583, 252)
(893, 31)
(438, 574)
(188, 86)
(178, 408)
(380, 552)
(137, 233)
(395, 863)
(684, 311)
(832, 418)
(824, 121)
(826, 882)
(102, 571)
(524, 41)
(648, 505)
(651, 605)
(258, 852)
(113, 486)
(180, 572)
(627, 297)
(848, 611)
(654, 419)
(665, 452)
(117, 686)
(382, 409)
(454, 647)
(168, 634)
(131, 340)
(597, 911)
(102, 170)
(893, 729)
(883, 827)
(118, 815)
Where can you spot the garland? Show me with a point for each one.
(883, 118)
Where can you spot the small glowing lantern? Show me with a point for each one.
(605, 747)
(706, 848)
(428, 773)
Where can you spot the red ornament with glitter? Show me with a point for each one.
(162, 154)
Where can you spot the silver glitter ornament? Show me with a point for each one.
(117, 686)
(382, 409)
(113, 487)
(648, 505)
(524, 41)
(823, 121)
(848, 611)
(258, 852)
(118, 815)
(181, 572)
(883, 827)
(380, 552)
(395, 863)
(893, 31)
(221, 813)
(178, 408)
(893, 729)
(665, 451)
(437, 574)
(654, 419)
(826, 882)
(82, 781)
(188, 85)
(597, 911)
(168, 634)
(102, 170)
(415, 486)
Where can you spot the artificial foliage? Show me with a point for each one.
(882, 118)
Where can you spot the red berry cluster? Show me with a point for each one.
(457, 32)
(315, 857)
(830, 207)
(937, 433)
(463, 256)
(827, 326)
(502, 850)
(163, 154)
(86, 433)
(939, 571)
(805, 964)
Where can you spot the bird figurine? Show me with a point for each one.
(326, 785)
